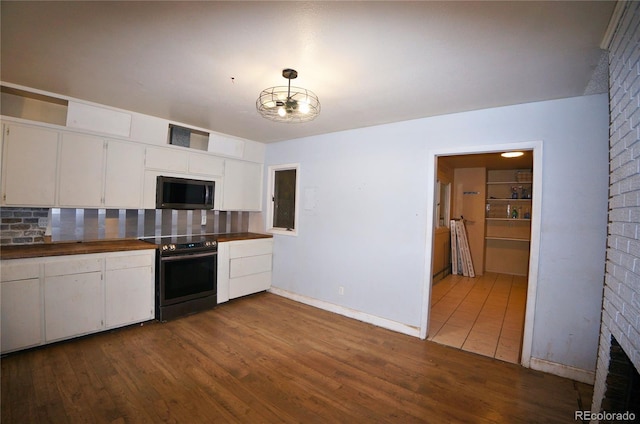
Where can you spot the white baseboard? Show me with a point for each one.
(561, 370)
(351, 313)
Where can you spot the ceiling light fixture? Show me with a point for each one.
(288, 104)
(511, 154)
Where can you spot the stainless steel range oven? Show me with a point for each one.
(186, 275)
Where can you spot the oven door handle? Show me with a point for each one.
(187, 256)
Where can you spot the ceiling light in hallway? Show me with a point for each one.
(512, 154)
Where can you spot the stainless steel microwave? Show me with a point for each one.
(184, 193)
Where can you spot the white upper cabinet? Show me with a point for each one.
(166, 159)
(100, 119)
(81, 170)
(242, 186)
(124, 175)
(29, 166)
(50, 167)
(95, 172)
(169, 159)
(205, 164)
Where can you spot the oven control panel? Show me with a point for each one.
(173, 247)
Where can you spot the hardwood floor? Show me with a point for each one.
(268, 359)
(483, 315)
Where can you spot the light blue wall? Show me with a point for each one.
(368, 229)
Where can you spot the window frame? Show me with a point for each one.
(271, 200)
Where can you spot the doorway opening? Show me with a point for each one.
(498, 200)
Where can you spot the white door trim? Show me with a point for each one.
(534, 247)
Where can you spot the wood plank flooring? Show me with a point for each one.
(267, 359)
(484, 315)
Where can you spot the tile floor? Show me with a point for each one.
(484, 315)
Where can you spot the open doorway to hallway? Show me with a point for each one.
(493, 196)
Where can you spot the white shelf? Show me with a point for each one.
(507, 239)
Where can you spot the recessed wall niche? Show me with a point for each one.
(32, 106)
(188, 137)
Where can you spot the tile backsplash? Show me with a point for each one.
(26, 226)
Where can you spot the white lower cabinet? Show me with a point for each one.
(56, 298)
(129, 289)
(244, 267)
(73, 304)
(21, 303)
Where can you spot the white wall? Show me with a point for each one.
(368, 231)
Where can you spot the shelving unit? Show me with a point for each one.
(507, 233)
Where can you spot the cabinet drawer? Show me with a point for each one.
(250, 248)
(19, 271)
(249, 284)
(132, 261)
(250, 265)
(166, 159)
(69, 267)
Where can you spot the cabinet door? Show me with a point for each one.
(129, 296)
(205, 164)
(242, 186)
(21, 314)
(129, 288)
(30, 164)
(81, 170)
(124, 173)
(73, 305)
(166, 159)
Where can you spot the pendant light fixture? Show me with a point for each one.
(287, 103)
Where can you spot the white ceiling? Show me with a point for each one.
(204, 63)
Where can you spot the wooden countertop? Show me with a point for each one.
(71, 248)
(99, 246)
(241, 236)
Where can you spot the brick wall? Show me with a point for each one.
(621, 304)
(20, 225)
